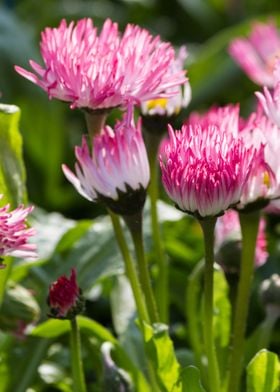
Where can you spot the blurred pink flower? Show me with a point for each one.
(181, 94)
(103, 71)
(204, 170)
(270, 102)
(65, 300)
(257, 54)
(14, 233)
(118, 165)
(226, 118)
(264, 181)
(228, 234)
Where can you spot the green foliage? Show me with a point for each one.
(191, 380)
(12, 172)
(263, 372)
(161, 353)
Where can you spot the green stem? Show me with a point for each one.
(249, 227)
(134, 223)
(193, 315)
(208, 226)
(130, 269)
(95, 121)
(161, 286)
(76, 360)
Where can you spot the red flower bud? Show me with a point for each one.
(65, 297)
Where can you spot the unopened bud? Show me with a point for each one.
(65, 298)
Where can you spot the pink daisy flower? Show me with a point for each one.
(181, 94)
(256, 132)
(118, 170)
(14, 234)
(204, 170)
(100, 71)
(264, 181)
(270, 100)
(257, 54)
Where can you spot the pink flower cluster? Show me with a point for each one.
(218, 160)
(14, 234)
(105, 70)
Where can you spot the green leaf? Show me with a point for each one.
(12, 171)
(191, 380)
(54, 328)
(162, 354)
(222, 309)
(263, 372)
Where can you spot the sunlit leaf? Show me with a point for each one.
(222, 309)
(263, 372)
(162, 354)
(12, 171)
(191, 380)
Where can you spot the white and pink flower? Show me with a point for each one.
(14, 233)
(204, 170)
(257, 54)
(264, 180)
(117, 165)
(105, 70)
(270, 101)
(181, 94)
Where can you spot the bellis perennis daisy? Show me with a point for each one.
(105, 70)
(263, 184)
(14, 234)
(118, 171)
(181, 95)
(204, 170)
(258, 54)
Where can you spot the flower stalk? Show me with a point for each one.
(76, 360)
(161, 286)
(95, 120)
(130, 269)
(208, 226)
(134, 223)
(249, 227)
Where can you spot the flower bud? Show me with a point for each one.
(65, 297)
(19, 309)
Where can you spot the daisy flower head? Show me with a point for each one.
(204, 169)
(258, 53)
(14, 233)
(117, 171)
(181, 94)
(101, 70)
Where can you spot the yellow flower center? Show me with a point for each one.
(153, 103)
(266, 179)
